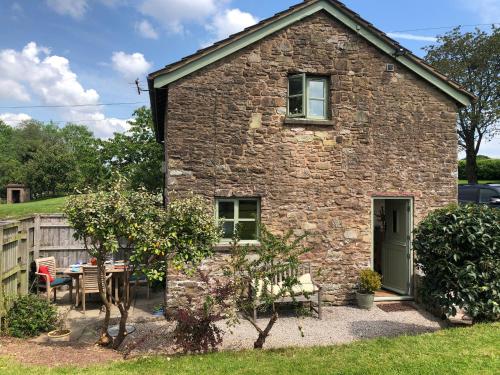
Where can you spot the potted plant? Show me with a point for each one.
(62, 333)
(369, 282)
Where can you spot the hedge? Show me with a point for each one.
(488, 169)
(458, 250)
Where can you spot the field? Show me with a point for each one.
(42, 206)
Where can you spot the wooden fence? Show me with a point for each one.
(23, 240)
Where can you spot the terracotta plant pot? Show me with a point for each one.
(365, 301)
(59, 335)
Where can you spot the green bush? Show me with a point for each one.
(458, 249)
(369, 281)
(29, 316)
(488, 169)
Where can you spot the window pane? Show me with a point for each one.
(317, 89)
(248, 230)
(226, 210)
(228, 229)
(295, 86)
(248, 210)
(316, 108)
(295, 105)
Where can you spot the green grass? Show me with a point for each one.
(473, 350)
(42, 206)
(463, 182)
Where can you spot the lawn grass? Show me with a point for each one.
(464, 182)
(42, 206)
(472, 350)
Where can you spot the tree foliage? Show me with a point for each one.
(56, 160)
(188, 235)
(458, 250)
(113, 221)
(473, 60)
(136, 154)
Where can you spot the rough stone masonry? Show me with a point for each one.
(390, 133)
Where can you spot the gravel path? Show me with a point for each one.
(339, 325)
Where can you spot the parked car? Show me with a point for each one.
(480, 194)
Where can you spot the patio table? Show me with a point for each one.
(116, 271)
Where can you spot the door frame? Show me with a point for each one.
(411, 202)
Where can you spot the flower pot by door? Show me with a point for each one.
(365, 301)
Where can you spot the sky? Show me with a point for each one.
(55, 54)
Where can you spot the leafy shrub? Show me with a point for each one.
(369, 281)
(458, 249)
(29, 316)
(488, 169)
(196, 330)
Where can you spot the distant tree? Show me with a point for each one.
(473, 60)
(11, 169)
(49, 170)
(136, 154)
(89, 169)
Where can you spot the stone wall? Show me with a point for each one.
(389, 134)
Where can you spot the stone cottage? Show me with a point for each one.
(313, 120)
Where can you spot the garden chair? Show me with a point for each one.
(89, 283)
(135, 280)
(44, 283)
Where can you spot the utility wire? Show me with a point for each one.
(445, 27)
(71, 105)
(68, 121)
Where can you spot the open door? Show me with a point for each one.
(396, 246)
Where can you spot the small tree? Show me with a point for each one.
(251, 270)
(111, 221)
(458, 249)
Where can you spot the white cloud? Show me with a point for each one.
(10, 89)
(14, 119)
(173, 14)
(230, 21)
(36, 73)
(130, 65)
(146, 30)
(73, 8)
(412, 37)
(487, 10)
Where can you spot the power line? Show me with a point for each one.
(69, 121)
(71, 105)
(445, 27)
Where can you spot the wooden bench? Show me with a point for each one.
(305, 291)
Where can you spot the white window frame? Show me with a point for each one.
(306, 96)
(236, 219)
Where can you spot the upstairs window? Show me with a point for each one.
(307, 97)
(243, 214)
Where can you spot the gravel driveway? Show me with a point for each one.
(339, 325)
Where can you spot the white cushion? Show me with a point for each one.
(274, 289)
(304, 285)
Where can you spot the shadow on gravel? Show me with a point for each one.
(367, 329)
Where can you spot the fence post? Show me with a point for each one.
(2, 302)
(36, 238)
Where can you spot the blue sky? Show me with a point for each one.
(65, 52)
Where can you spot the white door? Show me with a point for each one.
(396, 246)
